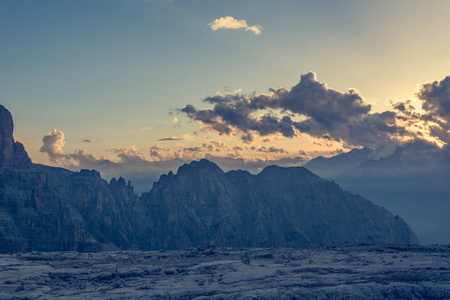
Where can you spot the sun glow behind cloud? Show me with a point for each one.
(314, 109)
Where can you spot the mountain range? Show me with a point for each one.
(52, 209)
(412, 181)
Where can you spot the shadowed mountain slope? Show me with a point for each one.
(412, 182)
(287, 207)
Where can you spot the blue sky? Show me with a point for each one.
(114, 72)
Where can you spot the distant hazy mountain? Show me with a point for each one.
(49, 209)
(414, 182)
(330, 166)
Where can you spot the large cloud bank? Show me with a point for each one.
(312, 108)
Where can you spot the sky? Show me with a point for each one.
(99, 82)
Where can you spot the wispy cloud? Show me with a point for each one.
(256, 29)
(170, 139)
(232, 23)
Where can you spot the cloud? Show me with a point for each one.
(256, 29)
(133, 165)
(232, 23)
(54, 141)
(320, 111)
(227, 23)
(175, 120)
(146, 128)
(271, 150)
(435, 99)
(87, 141)
(170, 139)
(215, 146)
(127, 152)
(247, 138)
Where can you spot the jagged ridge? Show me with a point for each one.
(51, 209)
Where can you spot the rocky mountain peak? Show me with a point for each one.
(6, 139)
(12, 154)
(202, 167)
(118, 183)
(89, 173)
(276, 172)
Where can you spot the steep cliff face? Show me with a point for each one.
(12, 154)
(280, 207)
(6, 139)
(325, 213)
(195, 205)
(52, 209)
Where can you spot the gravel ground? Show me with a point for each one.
(206, 272)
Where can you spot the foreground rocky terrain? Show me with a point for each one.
(206, 272)
(45, 208)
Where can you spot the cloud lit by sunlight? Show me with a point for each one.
(232, 23)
